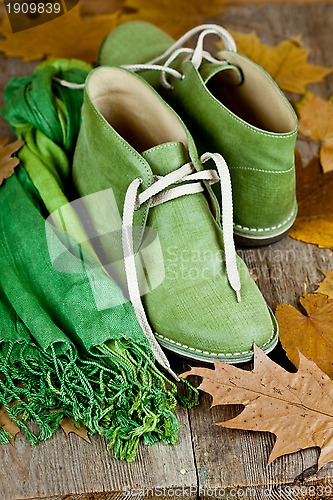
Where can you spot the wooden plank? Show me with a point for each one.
(230, 461)
(225, 463)
(260, 3)
(89, 8)
(10, 68)
(107, 6)
(71, 468)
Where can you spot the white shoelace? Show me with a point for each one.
(158, 194)
(198, 54)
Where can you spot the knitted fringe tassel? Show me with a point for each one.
(116, 392)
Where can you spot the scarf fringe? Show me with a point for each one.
(116, 392)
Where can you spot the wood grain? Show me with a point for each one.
(107, 6)
(285, 271)
(71, 466)
(209, 461)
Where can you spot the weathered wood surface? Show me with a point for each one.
(209, 461)
(106, 6)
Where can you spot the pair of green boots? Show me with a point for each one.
(168, 233)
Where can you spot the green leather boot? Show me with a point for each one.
(231, 106)
(135, 149)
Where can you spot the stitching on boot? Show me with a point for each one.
(263, 171)
(165, 146)
(261, 230)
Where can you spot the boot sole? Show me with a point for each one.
(188, 353)
(252, 241)
(210, 360)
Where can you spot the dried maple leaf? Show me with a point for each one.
(7, 162)
(69, 425)
(8, 424)
(67, 36)
(296, 407)
(285, 62)
(314, 222)
(174, 16)
(326, 286)
(316, 122)
(311, 333)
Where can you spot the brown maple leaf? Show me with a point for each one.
(311, 333)
(70, 426)
(68, 36)
(173, 16)
(8, 424)
(326, 286)
(7, 162)
(316, 122)
(296, 407)
(286, 62)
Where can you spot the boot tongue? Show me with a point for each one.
(167, 157)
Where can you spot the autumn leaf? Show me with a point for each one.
(296, 407)
(326, 286)
(173, 16)
(316, 122)
(68, 36)
(311, 332)
(69, 425)
(286, 62)
(7, 162)
(314, 222)
(8, 424)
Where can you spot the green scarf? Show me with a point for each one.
(59, 355)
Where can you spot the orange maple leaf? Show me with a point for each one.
(286, 62)
(68, 36)
(314, 222)
(316, 122)
(296, 407)
(174, 16)
(311, 333)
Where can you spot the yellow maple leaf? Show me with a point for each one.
(310, 333)
(326, 286)
(286, 62)
(316, 122)
(173, 16)
(68, 36)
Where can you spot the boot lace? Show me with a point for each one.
(158, 194)
(196, 55)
